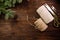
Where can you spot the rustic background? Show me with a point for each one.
(19, 29)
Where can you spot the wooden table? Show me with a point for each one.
(20, 29)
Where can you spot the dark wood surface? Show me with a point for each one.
(20, 29)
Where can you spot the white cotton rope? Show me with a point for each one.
(45, 14)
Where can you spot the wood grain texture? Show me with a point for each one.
(20, 29)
